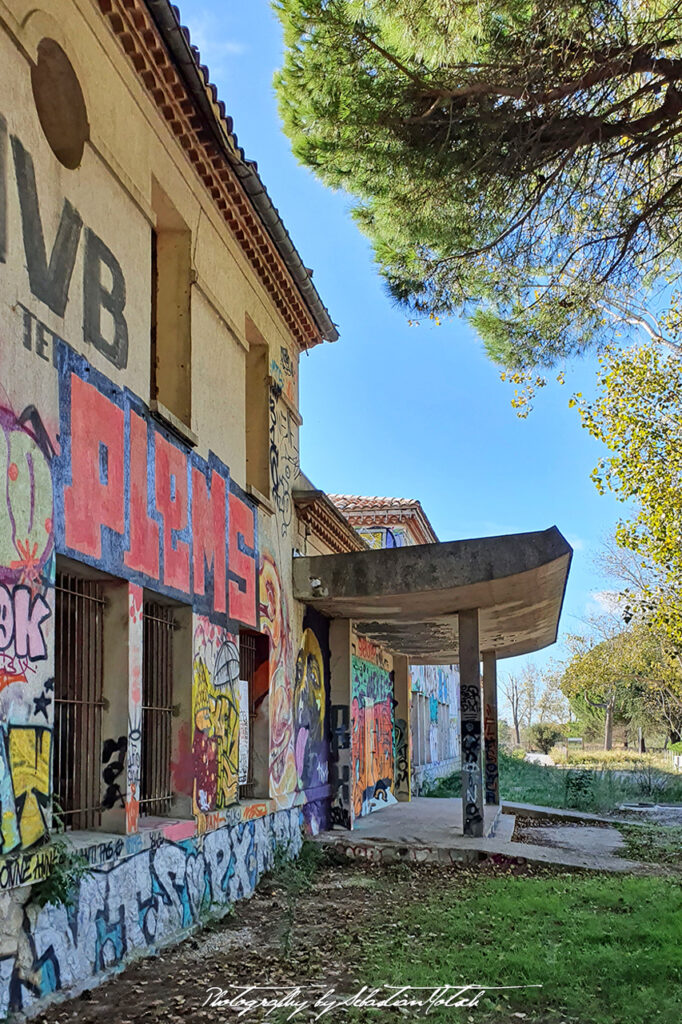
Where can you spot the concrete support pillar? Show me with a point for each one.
(470, 723)
(401, 728)
(340, 759)
(492, 780)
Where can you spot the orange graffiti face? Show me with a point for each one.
(269, 598)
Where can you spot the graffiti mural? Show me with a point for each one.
(29, 753)
(284, 372)
(26, 614)
(138, 903)
(274, 616)
(340, 762)
(134, 745)
(309, 702)
(284, 457)
(215, 714)
(401, 754)
(492, 781)
(371, 736)
(135, 503)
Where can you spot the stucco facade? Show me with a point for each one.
(151, 326)
(176, 692)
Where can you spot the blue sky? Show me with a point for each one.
(390, 409)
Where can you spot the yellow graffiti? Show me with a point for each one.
(29, 758)
(215, 744)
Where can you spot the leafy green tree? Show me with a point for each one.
(601, 674)
(625, 676)
(517, 159)
(638, 416)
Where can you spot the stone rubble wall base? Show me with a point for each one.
(148, 900)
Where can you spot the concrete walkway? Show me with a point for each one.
(566, 814)
(428, 830)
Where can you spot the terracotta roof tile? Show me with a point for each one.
(358, 503)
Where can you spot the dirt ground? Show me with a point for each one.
(269, 938)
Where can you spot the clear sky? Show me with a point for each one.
(389, 409)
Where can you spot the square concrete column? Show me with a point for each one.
(340, 753)
(492, 779)
(401, 727)
(470, 723)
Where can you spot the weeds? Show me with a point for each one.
(294, 876)
(584, 788)
(657, 844)
(67, 868)
(449, 786)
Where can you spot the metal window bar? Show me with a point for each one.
(247, 672)
(78, 701)
(156, 794)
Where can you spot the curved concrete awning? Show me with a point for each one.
(407, 599)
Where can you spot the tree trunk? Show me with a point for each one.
(516, 730)
(608, 727)
(642, 744)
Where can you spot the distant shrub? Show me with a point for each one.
(544, 736)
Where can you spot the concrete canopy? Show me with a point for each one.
(407, 599)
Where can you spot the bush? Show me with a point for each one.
(544, 736)
(449, 786)
(61, 884)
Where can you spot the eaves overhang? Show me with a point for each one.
(407, 599)
(216, 132)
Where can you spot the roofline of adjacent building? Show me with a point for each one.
(196, 79)
(379, 516)
(314, 508)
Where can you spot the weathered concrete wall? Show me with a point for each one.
(425, 775)
(151, 896)
(434, 719)
(91, 474)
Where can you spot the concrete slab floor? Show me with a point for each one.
(427, 830)
(588, 839)
(426, 821)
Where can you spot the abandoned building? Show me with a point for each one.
(200, 656)
(434, 689)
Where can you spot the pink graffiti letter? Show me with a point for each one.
(28, 636)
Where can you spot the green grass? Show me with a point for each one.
(604, 948)
(449, 786)
(594, 789)
(584, 789)
(659, 844)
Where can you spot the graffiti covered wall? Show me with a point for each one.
(94, 472)
(215, 717)
(26, 628)
(434, 717)
(145, 900)
(371, 736)
(132, 501)
(299, 692)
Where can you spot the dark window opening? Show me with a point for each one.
(156, 794)
(78, 701)
(254, 669)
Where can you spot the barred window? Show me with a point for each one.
(156, 793)
(78, 700)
